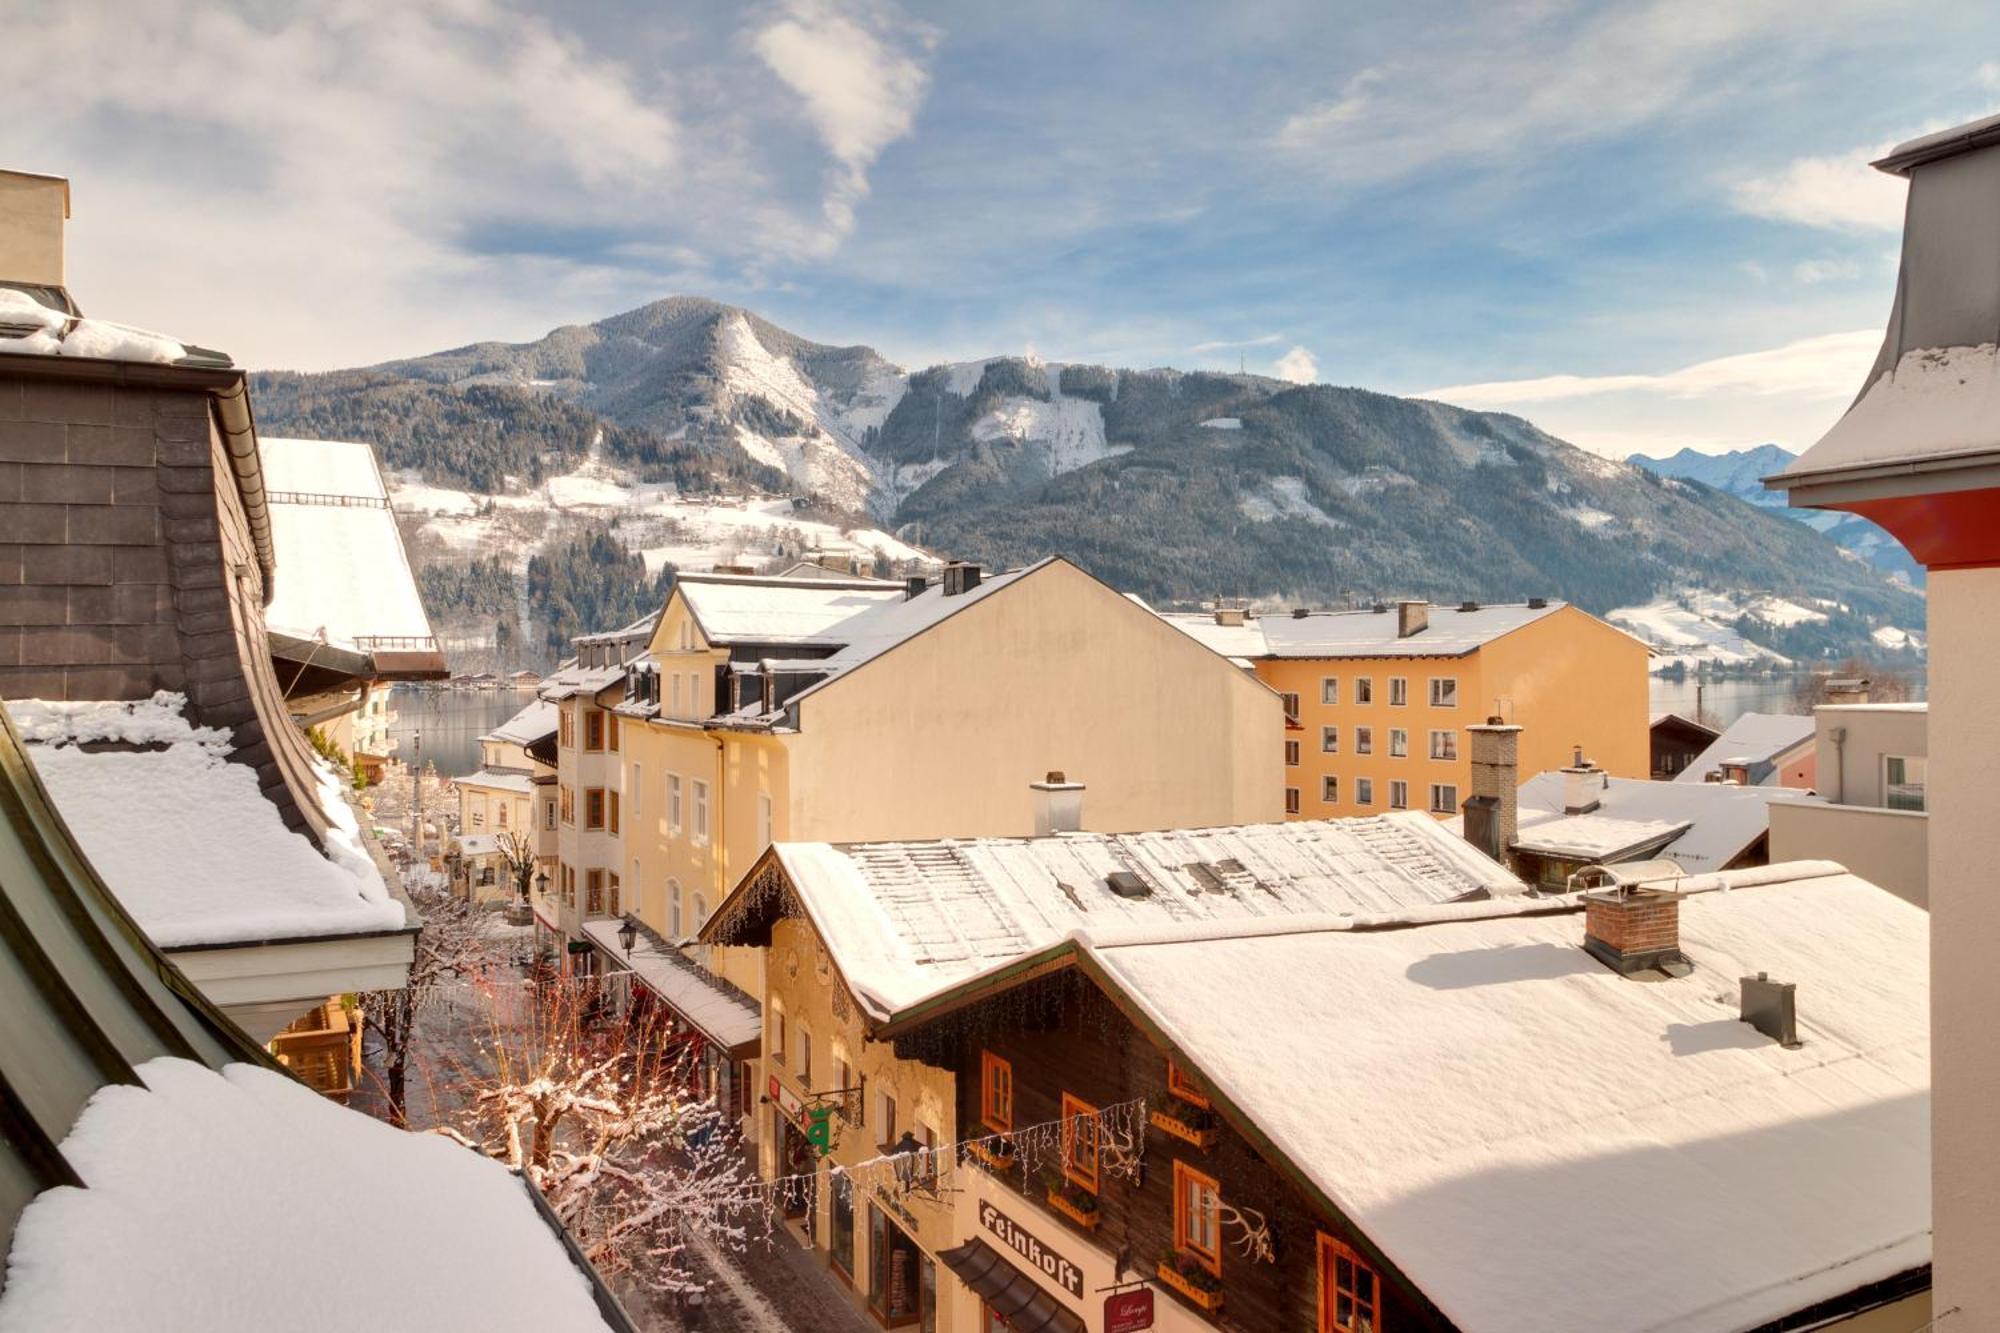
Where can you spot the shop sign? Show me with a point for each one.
(815, 1122)
(1024, 1243)
(1128, 1311)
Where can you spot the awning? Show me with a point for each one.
(1027, 1307)
(707, 1003)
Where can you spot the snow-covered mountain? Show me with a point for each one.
(1741, 473)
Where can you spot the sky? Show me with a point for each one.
(1644, 226)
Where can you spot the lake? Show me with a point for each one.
(443, 727)
(1728, 699)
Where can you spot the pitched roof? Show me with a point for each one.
(1702, 826)
(344, 577)
(1758, 739)
(908, 921)
(722, 1013)
(739, 608)
(1364, 633)
(1466, 1089)
(532, 723)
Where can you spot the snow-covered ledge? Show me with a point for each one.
(264, 922)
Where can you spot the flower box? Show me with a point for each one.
(993, 1158)
(1075, 1212)
(1202, 1298)
(1172, 1124)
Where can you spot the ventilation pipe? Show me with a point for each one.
(1058, 804)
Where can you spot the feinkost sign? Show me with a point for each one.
(1024, 1243)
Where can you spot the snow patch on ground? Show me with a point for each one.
(1592, 519)
(962, 377)
(1070, 429)
(826, 457)
(1889, 636)
(1285, 497)
(1224, 423)
(1696, 633)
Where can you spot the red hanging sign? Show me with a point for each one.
(1128, 1311)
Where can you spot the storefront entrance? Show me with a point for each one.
(797, 1163)
(902, 1281)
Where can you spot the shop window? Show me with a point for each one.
(996, 1102)
(1197, 1220)
(840, 1227)
(1079, 1143)
(894, 1271)
(1350, 1295)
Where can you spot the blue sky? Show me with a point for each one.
(1642, 225)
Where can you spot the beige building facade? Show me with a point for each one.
(1873, 769)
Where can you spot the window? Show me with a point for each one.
(687, 637)
(593, 807)
(1350, 1299)
(565, 732)
(611, 893)
(1364, 740)
(1364, 689)
(1291, 800)
(500, 815)
(674, 804)
(478, 818)
(1079, 1143)
(1903, 781)
(843, 1079)
(805, 1055)
(1399, 743)
(885, 1119)
(1329, 740)
(1329, 790)
(1444, 692)
(549, 815)
(593, 889)
(612, 796)
(1291, 703)
(1399, 795)
(1183, 1087)
(694, 694)
(1329, 690)
(700, 906)
(776, 1045)
(1444, 798)
(568, 804)
(610, 730)
(1291, 754)
(1399, 692)
(1364, 791)
(701, 813)
(1197, 1221)
(674, 930)
(675, 710)
(996, 1093)
(1444, 745)
(593, 730)
(764, 829)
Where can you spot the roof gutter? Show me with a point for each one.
(239, 441)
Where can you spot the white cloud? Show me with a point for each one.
(861, 79)
(1230, 345)
(1814, 271)
(1989, 74)
(1299, 366)
(1789, 394)
(1840, 192)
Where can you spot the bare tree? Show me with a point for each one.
(517, 849)
(1885, 684)
(456, 942)
(602, 1112)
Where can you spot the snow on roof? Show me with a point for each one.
(906, 921)
(1367, 633)
(1756, 738)
(478, 844)
(187, 839)
(411, 1230)
(1544, 1146)
(725, 1015)
(342, 572)
(1934, 403)
(1711, 822)
(573, 680)
(532, 723)
(498, 780)
(642, 628)
(1656, 719)
(745, 609)
(55, 333)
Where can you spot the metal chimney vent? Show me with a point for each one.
(1538, 603)
(1772, 1007)
(1126, 884)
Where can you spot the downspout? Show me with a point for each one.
(1838, 735)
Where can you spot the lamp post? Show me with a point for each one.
(628, 934)
(542, 883)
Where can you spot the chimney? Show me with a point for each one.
(1538, 603)
(960, 576)
(1492, 811)
(1231, 611)
(1058, 805)
(1300, 612)
(1772, 1007)
(1412, 618)
(914, 585)
(1583, 783)
(1847, 690)
(32, 212)
(1634, 929)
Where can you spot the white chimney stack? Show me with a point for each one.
(1058, 805)
(1583, 783)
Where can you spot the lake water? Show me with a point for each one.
(443, 727)
(1725, 700)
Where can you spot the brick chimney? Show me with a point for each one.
(1412, 618)
(1492, 810)
(1633, 929)
(1583, 785)
(1058, 805)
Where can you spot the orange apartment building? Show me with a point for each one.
(1377, 700)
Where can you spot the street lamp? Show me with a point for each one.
(627, 934)
(542, 884)
(905, 1151)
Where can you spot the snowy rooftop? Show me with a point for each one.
(1368, 633)
(1544, 1146)
(497, 780)
(263, 1173)
(906, 921)
(724, 1015)
(187, 840)
(54, 333)
(1934, 403)
(343, 576)
(733, 608)
(1706, 824)
(532, 723)
(1758, 738)
(572, 680)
